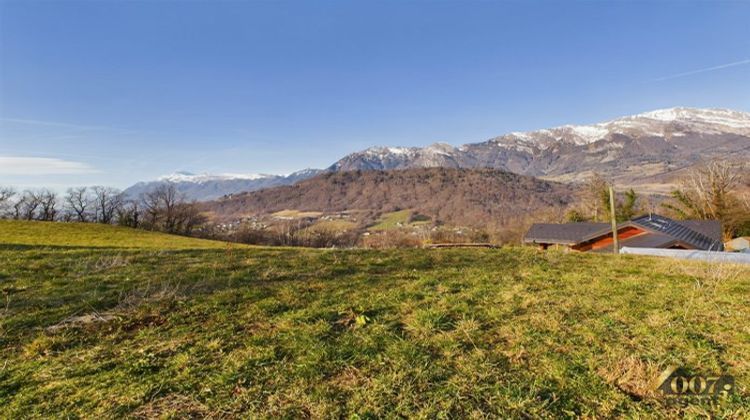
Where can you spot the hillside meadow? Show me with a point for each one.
(93, 235)
(101, 322)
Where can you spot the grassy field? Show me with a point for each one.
(392, 220)
(260, 332)
(93, 235)
(336, 225)
(296, 214)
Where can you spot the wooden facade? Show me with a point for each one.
(606, 240)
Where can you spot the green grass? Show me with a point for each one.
(13, 232)
(392, 220)
(335, 225)
(263, 332)
(296, 214)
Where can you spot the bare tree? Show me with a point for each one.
(129, 214)
(165, 209)
(107, 201)
(150, 204)
(704, 191)
(79, 201)
(26, 206)
(595, 202)
(6, 198)
(745, 201)
(710, 191)
(596, 193)
(170, 201)
(189, 217)
(18, 206)
(161, 205)
(47, 205)
(712, 184)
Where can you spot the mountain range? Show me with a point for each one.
(646, 151)
(203, 187)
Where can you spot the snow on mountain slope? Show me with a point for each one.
(637, 148)
(182, 176)
(722, 117)
(671, 122)
(201, 187)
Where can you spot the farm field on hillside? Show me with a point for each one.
(182, 330)
(392, 220)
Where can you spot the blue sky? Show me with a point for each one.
(105, 92)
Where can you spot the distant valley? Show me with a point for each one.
(476, 198)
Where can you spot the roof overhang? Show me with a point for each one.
(548, 241)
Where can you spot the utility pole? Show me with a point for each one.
(613, 217)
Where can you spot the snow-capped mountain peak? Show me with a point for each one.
(669, 122)
(635, 146)
(304, 173)
(183, 176)
(207, 186)
(388, 150)
(439, 148)
(717, 116)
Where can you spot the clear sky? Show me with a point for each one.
(112, 92)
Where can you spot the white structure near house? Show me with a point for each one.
(741, 244)
(688, 254)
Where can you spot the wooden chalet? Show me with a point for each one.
(650, 231)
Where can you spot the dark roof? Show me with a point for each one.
(562, 233)
(700, 234)
(689, 231)
(710, 228)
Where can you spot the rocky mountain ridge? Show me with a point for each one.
(638, 150)
(647, 151)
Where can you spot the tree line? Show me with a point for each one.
(715, 190)
(162, 209)
(718, 190)
(595, 203)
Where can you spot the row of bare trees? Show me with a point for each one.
(714, 190)
(293, 233)
(95, 204)
(717, 190)
(165, 209)
(162, 209)
(29, 205)
(84, 204)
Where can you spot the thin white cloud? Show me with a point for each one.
(25, 121)
(705, 70)
(18, 165)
